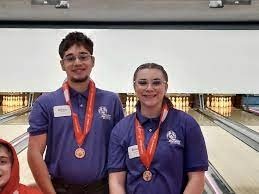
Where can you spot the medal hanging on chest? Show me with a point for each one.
(80, 152)
(80, 134)
(147, 155)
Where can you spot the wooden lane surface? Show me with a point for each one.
(245, 118)
(13, 128)
(236, 162)
(10, 132)
(25, 172)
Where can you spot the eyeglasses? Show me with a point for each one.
(81, 57)
(155, 83)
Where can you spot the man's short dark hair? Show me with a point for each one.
(75, 38)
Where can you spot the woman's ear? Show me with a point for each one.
(134, 86)
(166, 87)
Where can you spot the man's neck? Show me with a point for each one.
(79, 86)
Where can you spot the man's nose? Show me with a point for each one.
(77, 60)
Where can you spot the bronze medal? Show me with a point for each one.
(80, 134)
(147, 175)
(147, 154)
(80, 153)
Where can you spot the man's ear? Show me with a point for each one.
(93, 60)
(62, 65)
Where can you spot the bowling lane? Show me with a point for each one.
(236, 162)
(245, 118)
(7, 109)
(11, 129)
(25, 172)
(202, 120)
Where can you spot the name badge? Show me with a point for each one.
(62, 111)
(133, 151)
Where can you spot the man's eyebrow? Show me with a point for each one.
(84, 52)
(70, 54)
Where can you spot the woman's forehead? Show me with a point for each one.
(149, 73)
(4, 152)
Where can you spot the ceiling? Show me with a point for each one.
(129, 11)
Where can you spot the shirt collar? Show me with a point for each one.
(143, 120)
(74, 93)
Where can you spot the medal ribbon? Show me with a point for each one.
(147, 155)
(79, 133)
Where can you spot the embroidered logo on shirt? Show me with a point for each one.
(171, 136)
(103, 112)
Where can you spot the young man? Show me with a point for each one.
(9, 172)
(74, 123)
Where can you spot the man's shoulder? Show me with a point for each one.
(106, 93)
(50, 96)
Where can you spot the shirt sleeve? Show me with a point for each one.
(38, 119)
(117, 151)
(195, 152)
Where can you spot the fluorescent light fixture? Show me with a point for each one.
(221, 3)
(63, 4)
(215, 4)
(237, 2)
(45, 2)
(37, 2)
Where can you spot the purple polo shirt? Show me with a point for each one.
(61, 143)
(181, 149)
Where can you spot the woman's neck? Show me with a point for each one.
(151, 112)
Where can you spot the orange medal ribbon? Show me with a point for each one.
(147, 155)
(79, 133)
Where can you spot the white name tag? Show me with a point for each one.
(133, 151)
(62, 111)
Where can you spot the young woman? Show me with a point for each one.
(9, 172)
(158, 149)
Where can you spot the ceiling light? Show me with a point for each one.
(237, 2)
(63, 4)
(215, 4)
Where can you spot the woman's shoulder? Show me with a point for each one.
(124, 125)
(183, 118)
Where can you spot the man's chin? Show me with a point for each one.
(79, 80)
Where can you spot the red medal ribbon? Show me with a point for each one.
(147, 155)
(79, 133)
